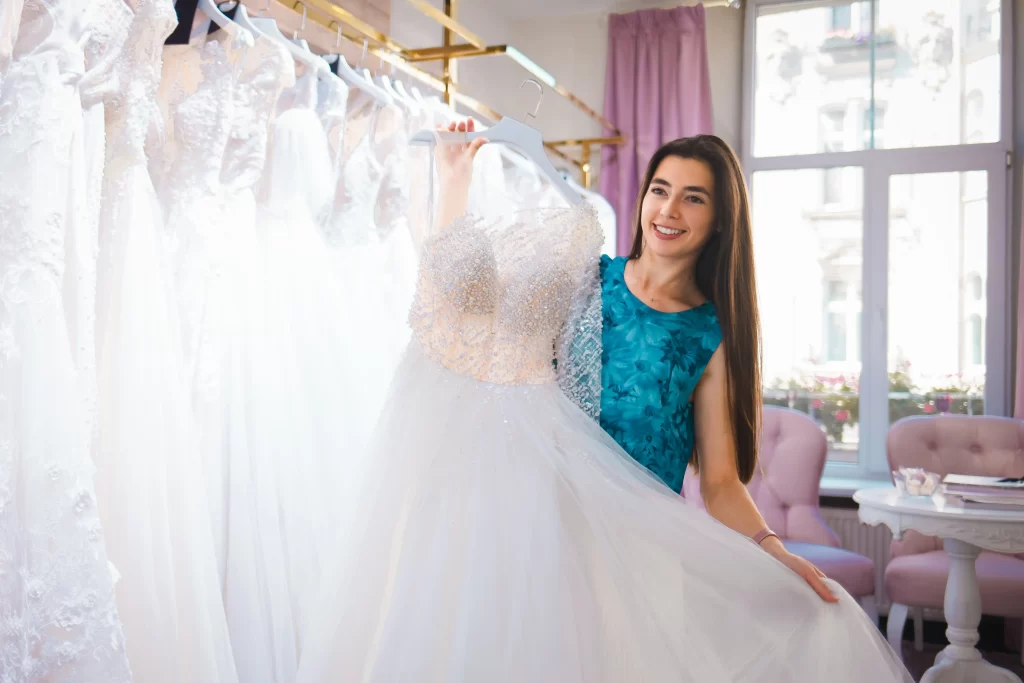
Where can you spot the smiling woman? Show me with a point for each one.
(681, 365)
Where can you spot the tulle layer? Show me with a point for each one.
(500, 535)
(149, 481)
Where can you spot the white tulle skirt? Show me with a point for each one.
(150, 485)
(502, 536)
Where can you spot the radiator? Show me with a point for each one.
(872, 541)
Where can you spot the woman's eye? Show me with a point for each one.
(695, 199)
(658, 190)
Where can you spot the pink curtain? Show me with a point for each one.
(656, 89)
(1018, 402)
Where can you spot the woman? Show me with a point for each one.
(681, 371)
(501, 535)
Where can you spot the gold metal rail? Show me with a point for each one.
(336, 18)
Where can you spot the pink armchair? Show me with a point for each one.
(915, 577)
(785, 489)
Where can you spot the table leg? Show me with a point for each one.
(961, 661)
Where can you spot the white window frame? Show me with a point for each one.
(879, 166)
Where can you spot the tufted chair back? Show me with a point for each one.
(954, 444)
(786, 485)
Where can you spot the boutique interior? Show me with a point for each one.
(243, 190)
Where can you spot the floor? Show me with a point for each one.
(992, 646)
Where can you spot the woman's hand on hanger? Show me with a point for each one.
(455, 160)
(455, 171)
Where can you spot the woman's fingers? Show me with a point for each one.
(819, 586)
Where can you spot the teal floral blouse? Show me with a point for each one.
(651, 363)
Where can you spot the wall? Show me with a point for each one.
(574, 50)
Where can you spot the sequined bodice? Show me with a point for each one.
(133, 112)
(492, 298)
(267, 69)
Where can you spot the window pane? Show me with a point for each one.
(835, 337)
(938, 232)
(945, 60)
(803, 58)
(808, 257)
(862, 73)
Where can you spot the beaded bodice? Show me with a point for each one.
(492, 299)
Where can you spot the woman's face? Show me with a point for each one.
(677, 213)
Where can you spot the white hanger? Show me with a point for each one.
(268, 28)
(349, 75)
(515, 134)
(237, 32)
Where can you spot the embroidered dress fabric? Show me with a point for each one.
(501, 535)
(152, 496)
(57, 604)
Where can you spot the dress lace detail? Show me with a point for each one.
(58, 620)
(266, 70)
(492, 298)
(361, 179)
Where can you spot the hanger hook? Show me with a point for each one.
(337, 43)
(362, 58)
(264, 10)
(540, 90)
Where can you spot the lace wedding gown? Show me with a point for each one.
(57, 605)
(150, 487)
(219, 99)
(504, 536)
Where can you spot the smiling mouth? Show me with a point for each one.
(668, 232)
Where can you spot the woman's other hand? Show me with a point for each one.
(804, 569)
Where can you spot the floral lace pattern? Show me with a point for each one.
(493, 297)
(58, 620)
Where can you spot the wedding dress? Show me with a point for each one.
(150, 486)
(218, 100)
(319, 424)
(250, 423)
(504, 536)
(57, 604)
(368, 234)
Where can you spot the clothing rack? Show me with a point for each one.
(333, 23)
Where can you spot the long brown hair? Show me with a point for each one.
(725, 275)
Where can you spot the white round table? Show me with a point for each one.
(965, 532)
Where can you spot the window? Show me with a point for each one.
(841, 18)
(977, 336)
(976, 287)
(878, 193)
(873, 126)
(842, 321)
(833, 194)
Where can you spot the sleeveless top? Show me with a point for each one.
(651, 363)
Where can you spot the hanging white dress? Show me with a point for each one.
(505, 537)
(218, 98)
(57, 604)
(365, 229)
(248, 422)
(319, 423)
(150, 485)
